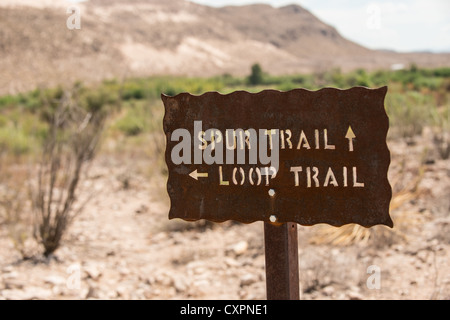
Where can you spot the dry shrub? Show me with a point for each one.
(441, 140)
(441, 131)
(377, 235)
(71, 142)
(37, 209)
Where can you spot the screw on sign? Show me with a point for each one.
(285, 158)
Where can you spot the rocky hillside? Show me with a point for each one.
(123, 38)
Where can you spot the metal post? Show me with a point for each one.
(281, 249)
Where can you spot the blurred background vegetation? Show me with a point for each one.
(133, 114)
(416, 98)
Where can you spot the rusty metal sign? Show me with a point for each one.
(300, 156)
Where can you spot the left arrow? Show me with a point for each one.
(195, 174)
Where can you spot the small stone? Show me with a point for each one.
(180, 285)
(31, 293)
(242, 294)
(161, 236)
(202, 283)
(92, 293)
(59, 291)
(142, 209)
(248, 279)
(328, 291)
(111, 253)
(11, 275)
(149, 280)
(404, 292)
(14, 284)
(165, 280)
(230, 262)
(353, 295)
(55, 280)
(92, 272)
(122, 292)
(111, 294)
(422, 256)
(7, 269)
(240, 248)
(200, 270)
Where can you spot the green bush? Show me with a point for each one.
(132, 124)
(287, 86)
(335, 78)
(256, 76)
(228, 80)
(442, 72)
(429, 83)
(409, 113)
(133, 91)
(170, 91)
(13, 141)
(380, 78)
(8, 100)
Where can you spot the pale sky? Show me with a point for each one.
(409, 25)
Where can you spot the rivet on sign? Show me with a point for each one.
(273, 218)
(271, 192)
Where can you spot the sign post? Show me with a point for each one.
(284, 158)
(281, 250)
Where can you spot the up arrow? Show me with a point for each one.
(350, 136)
(194, 174)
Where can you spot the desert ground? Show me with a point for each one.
(122, 245)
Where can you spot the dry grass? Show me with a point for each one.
(15, 211)
(377, 235)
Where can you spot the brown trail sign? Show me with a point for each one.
(330, 144)
(301, 156)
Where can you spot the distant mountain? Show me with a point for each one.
(128, 38)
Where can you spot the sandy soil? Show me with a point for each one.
(122, 246)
